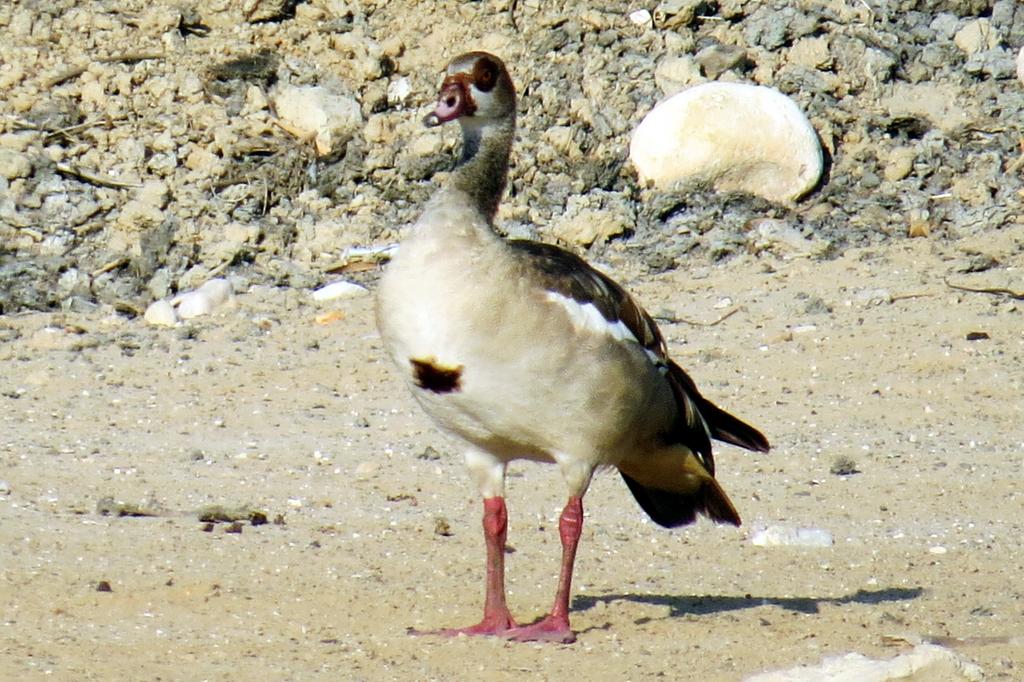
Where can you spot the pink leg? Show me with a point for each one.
(497, 619)
(555, 626)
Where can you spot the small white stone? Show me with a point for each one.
(336, 290)
(1020, 65)
(161, 313)
(739, 137)
(937, 549)
(399, 91)
(640, 17)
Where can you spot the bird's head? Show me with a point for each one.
(476, 88)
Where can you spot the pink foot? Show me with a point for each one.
(547, 629)
(493, 625)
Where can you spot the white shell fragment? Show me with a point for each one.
(161, 314)
(925, 662)
(193, 304)
(738, 137)
(217, 290)
(203, 301)
(341, 289)
(791, 537)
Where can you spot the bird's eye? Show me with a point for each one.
(485, 74)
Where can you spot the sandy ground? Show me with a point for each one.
(865, 357)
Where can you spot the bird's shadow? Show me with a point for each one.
(680, 606)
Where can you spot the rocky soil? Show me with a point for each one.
(872, 329)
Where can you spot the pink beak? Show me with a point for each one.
(451, 104)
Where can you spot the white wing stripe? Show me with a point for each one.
(586, 316)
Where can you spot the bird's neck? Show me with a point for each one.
(483, 167)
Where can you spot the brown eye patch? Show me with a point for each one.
(485, 74)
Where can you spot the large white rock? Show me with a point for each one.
(333, 117)
(738, 137)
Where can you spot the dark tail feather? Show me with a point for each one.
(672, 510)
(722, 425)
(729, 429)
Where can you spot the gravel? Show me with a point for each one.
(140, 151)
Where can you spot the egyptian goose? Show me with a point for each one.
(523, 351)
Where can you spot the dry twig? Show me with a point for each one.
(997, 291)
(93, 178)
(672, 319)
(904, 297)
(112, 265)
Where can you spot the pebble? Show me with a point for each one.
(676, 73)
(584, 223)
(5, 488)
(673, 13)
(899, 164)
(1020, 66)
(739, 137)
(335, 290)
(944, 24)
(774, 536)
(14, 165)
(333, 117)
(640, 17)
(782, 239)
(716, 59)
(139, 214)
(811, 52)
(399, 91)
(977, 36)
(995, 63)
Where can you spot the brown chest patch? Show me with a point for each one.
(431, 376)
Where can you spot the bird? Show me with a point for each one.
(521, 350)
